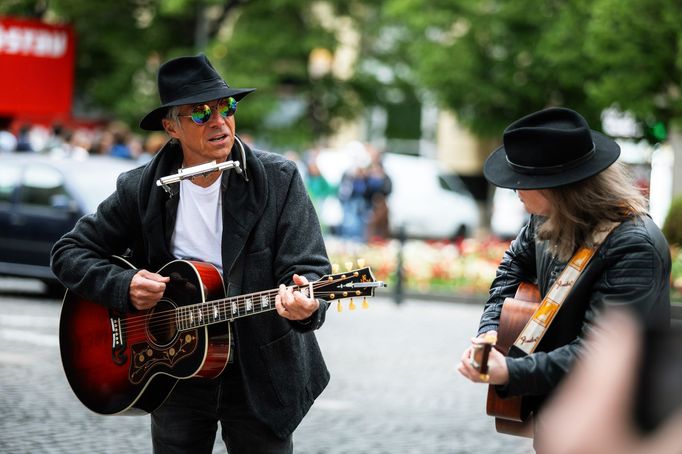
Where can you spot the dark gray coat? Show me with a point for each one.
(268, 220)
(631, 269)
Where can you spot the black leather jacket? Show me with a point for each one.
(632, 268)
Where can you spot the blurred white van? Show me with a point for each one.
(425, 201)
(508, 214)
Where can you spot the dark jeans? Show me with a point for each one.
(188, 420)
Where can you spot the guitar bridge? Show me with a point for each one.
(118, 339)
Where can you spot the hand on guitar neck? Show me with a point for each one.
(294, 305)
(482, 363)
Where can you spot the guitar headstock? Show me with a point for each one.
(351, 284)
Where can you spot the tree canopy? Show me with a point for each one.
(488, 61)
(266, 45)
(494, 61)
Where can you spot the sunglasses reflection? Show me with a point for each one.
(201, 113)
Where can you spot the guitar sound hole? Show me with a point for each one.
(161, 327)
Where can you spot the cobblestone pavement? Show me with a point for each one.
(394, 387)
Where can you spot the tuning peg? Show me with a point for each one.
(365, 304)
(339, 306)
(361, 263)
(349, 266)
(351, 305)
(335, 268)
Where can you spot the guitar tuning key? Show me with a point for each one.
(361, 263)
(335, 268)
(365, 304)
(351, 305)
(339, 306)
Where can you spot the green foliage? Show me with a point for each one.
(264, 45)
(672, 227)
(494, 61)
(637, 45)
(489, 61)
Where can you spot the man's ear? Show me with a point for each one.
(170, 127)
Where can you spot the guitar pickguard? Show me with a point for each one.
(148, 357)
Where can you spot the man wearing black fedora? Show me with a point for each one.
(257, 226)
(589, 245)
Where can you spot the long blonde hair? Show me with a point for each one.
(579, 207)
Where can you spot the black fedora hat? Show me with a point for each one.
(188, 80)
(550, 148)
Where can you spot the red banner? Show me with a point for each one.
(36, 69)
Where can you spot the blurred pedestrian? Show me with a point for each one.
(567, 177)
(120, 148)
(57, 140)
(379, 187)
(257, 229)
(24, 139)
(319, 188)
(152, 145)
(102, 142)
(77, 145)
(351, 193)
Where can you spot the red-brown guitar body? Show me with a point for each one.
(130, 363)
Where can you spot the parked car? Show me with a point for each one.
(425, 202)
(41, 198)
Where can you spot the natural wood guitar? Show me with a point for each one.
(512, 415)
(129, 363)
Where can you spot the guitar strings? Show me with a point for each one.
(163, 317)
(136, 323)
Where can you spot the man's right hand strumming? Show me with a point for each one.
(146, 289)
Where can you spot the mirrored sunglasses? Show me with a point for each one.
(201, 113)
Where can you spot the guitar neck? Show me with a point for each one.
(354, 283)
(222, 310)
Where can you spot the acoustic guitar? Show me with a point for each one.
(127, 363)
(512, 415)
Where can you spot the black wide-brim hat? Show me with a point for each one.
(550, 148)
(188, 80)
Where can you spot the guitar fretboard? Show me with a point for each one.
(222, 310)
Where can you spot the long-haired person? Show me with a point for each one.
(582, 200)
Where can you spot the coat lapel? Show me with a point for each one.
(244, 201)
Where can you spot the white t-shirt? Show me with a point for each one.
(199, 226)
